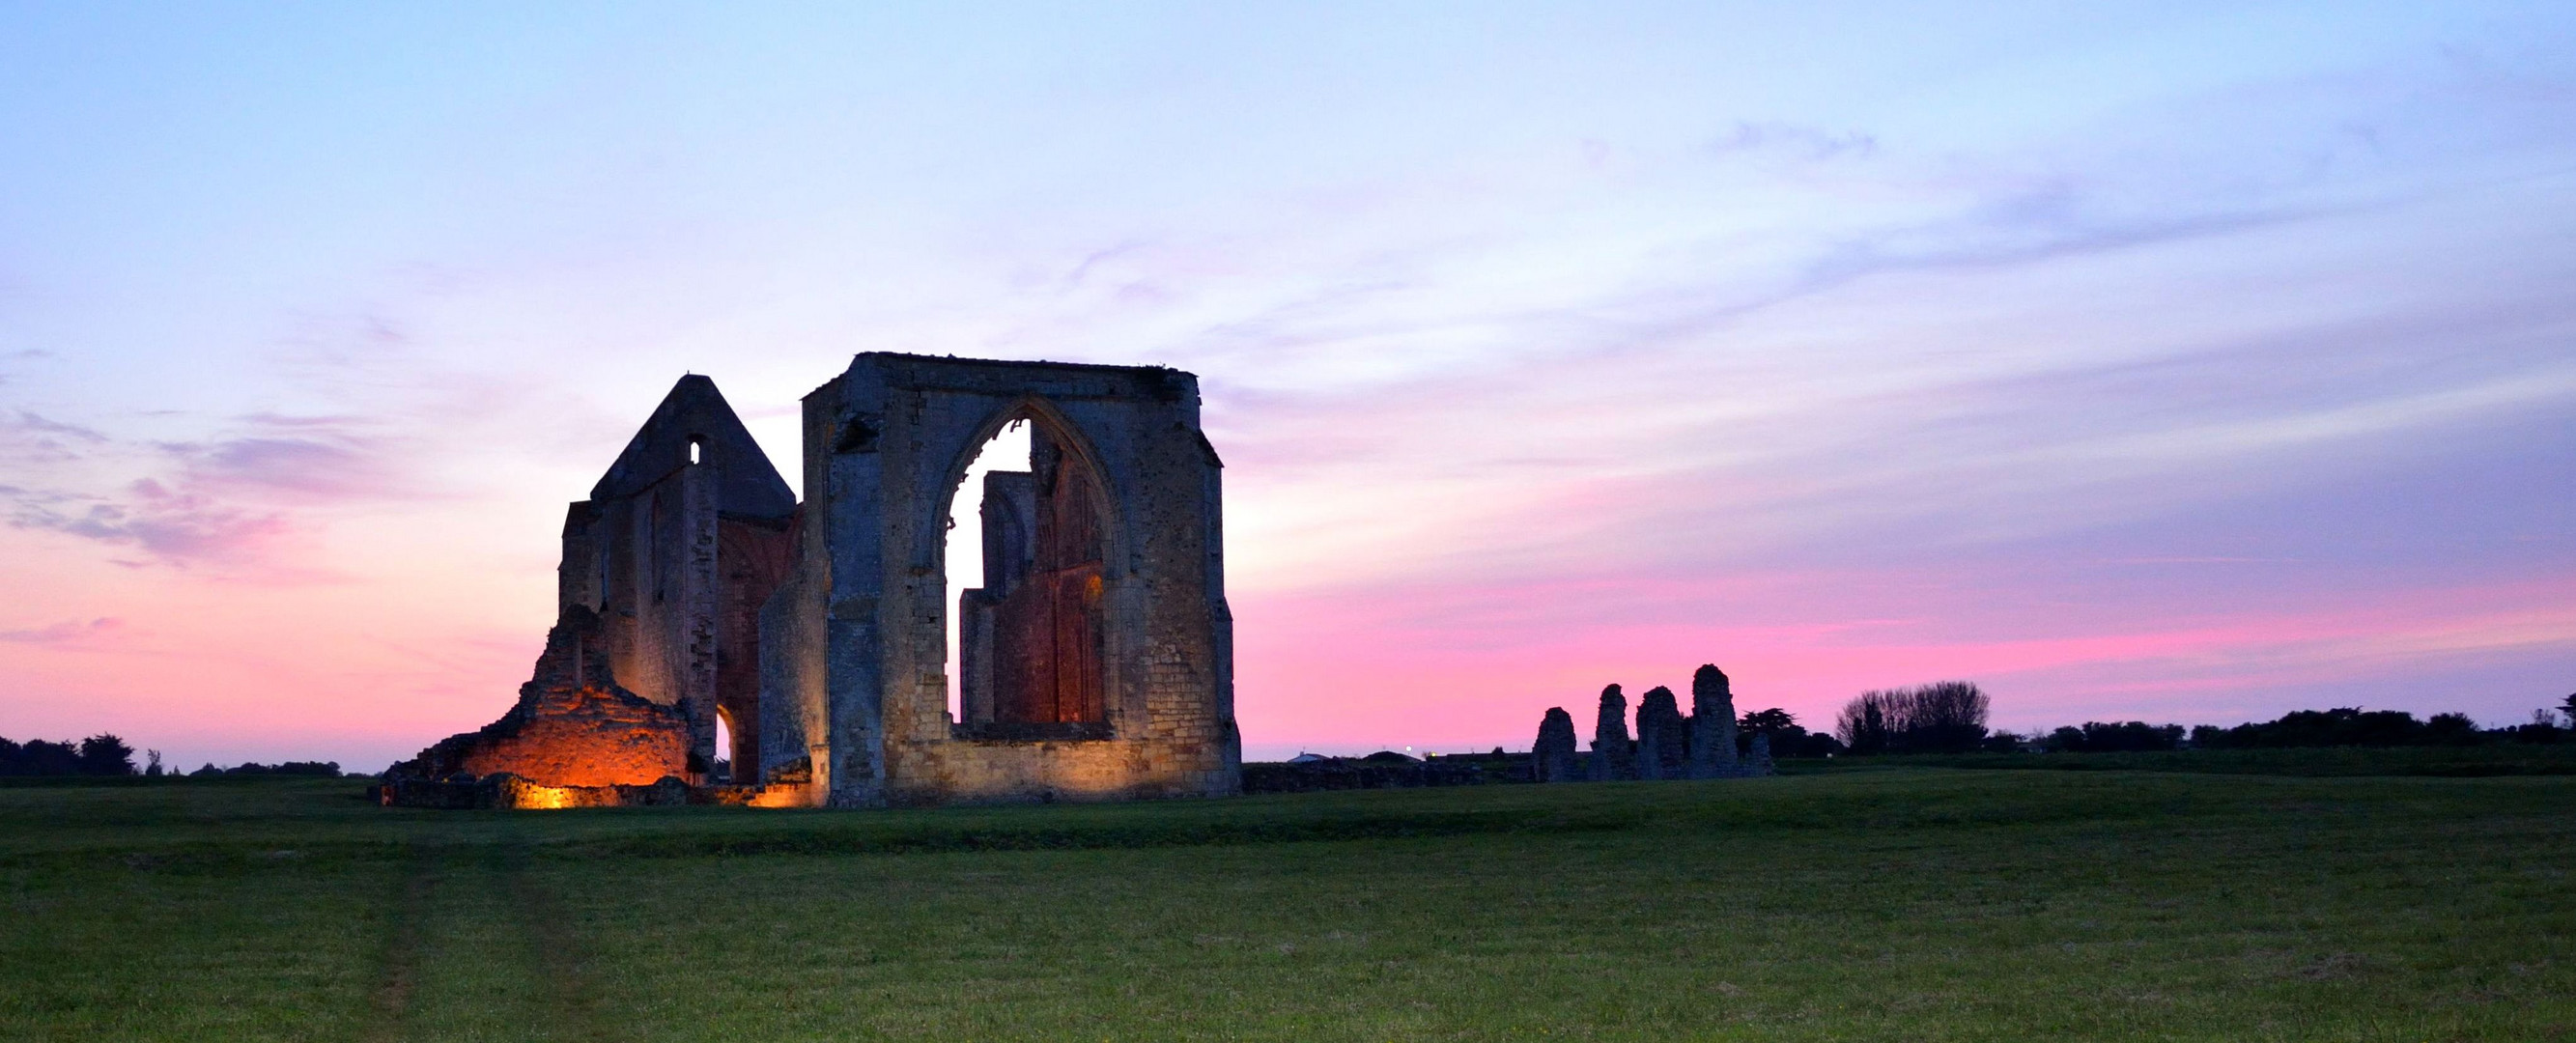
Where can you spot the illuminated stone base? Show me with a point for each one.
(504, 790)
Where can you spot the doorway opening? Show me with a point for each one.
(721, 771)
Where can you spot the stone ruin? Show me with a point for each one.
(1668, 745)
(1096, 657)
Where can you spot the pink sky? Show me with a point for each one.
(2134, 362)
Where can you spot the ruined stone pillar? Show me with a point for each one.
(1712, 746)
(699, 595)
(1613, 756)
(1552, 757)
(1757, 761)
(1660, 740)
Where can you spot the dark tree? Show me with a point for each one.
(105, 754)
(1946, 717)
(1775, 720)
(2451, 729)
(1863, 724)
(1942, 717)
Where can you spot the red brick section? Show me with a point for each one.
(586, 737)
(1046, 640)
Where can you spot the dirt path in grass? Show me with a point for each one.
(554, 952)
(399, 973)
(452, 892)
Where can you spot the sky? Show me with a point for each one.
(2166, 361)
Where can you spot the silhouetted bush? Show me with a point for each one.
(1788, 737)
(1942, 717)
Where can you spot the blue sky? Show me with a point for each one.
(2167, 361)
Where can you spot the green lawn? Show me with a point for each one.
(1902, 903)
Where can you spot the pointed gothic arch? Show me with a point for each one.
(1031, 640)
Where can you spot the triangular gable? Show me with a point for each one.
(696, 411)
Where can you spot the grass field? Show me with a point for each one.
(1898, 903)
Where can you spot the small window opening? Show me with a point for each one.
(694, 445)
(722, 770)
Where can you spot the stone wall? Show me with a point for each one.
(1146, 650)
(664, 572)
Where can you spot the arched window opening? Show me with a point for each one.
(722, 770)
(696, 446)
(1024, 645)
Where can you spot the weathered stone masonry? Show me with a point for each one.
(663, 571)
(1121, 684)
(1097, 646)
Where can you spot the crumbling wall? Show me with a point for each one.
(572, 725)
(682, 541)
(658, 596)
(694, 587)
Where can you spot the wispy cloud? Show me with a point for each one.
(1801, 141)
(67, 634)
(239, 504)
(170, 528)
(323, 460)
(30, 437)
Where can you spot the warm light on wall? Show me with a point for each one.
(532, 796)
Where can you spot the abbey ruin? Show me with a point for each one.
(1095, 654)
(1668, 745)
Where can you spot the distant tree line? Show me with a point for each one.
(100, 754)
(2341, 726)
(2123, 737)
(322, 769)
(107, 756)
(1950, 717)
